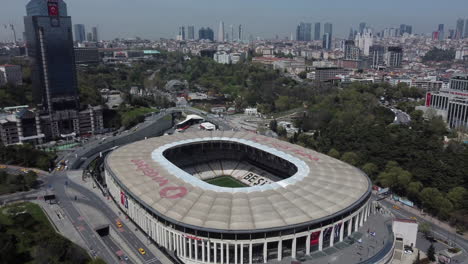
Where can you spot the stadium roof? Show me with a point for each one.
(323, 187)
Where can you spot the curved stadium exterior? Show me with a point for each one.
(295, 201)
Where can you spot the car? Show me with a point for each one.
(125, 257)
(396, 207)
(3, 167)
(142, 251)
(119, 224)
(25, 170)
(413, 218)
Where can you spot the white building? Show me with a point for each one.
(251, 111)
(452, 103)
(364, 41)
(222, 57)
(406, 230)
(11, 74)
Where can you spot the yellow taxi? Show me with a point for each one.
(413, 218)
(119, 224)
(3, 167)
(396, 207)
(25, 170)
(142, 251)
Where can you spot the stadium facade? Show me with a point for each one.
(296, 202)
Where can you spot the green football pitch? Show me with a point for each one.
(226, 181)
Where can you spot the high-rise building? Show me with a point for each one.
(89, 36)
(451, 34)
(466, 28)
(206, 34)
(221, 32)
(191, 32)
(351, 34)
(441, 31)
(50, 48)
(328, 30)
(239, 36)
(405, 29)
(317, 31)
(304, 32)
(364, 41)
(362, 26)
(459, 33)
(95, 34)
(351, 52)
(181, 34)
(376, 56)
(393, 57)
(80, 33)
(48, 31)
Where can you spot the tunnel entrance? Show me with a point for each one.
(103, 231)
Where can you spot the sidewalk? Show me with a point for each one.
(150, 246)
(61, 222)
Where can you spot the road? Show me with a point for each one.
(438, 231)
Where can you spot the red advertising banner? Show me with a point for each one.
(428, 99)
(314, 238)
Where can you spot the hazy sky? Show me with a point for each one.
(265, 18)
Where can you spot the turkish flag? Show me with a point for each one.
(53, 9)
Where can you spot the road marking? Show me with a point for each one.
(151, 260)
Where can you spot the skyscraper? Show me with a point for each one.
(221, 32)
(459, 33)
(181, 34)
(206, 34)
(80, 33)
(362, 26)
(49, 39)
(441, 31)
(232, 36)
(239, 37)
(317, 31)
(304, 32)
(466, 28)
(328, 36)
(95, 34)
(191, 32)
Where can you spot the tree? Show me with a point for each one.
(431, 253)
(282, 132)
(334, 153)
(97, 261)
(426, 229)
(370, 169)
(302, 75)
(395, 177)
(456, 196)
(350, 158)
(274, 125)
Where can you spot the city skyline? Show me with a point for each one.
(129, 20)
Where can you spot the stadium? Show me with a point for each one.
(236, 197)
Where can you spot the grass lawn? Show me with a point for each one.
(226, 181)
